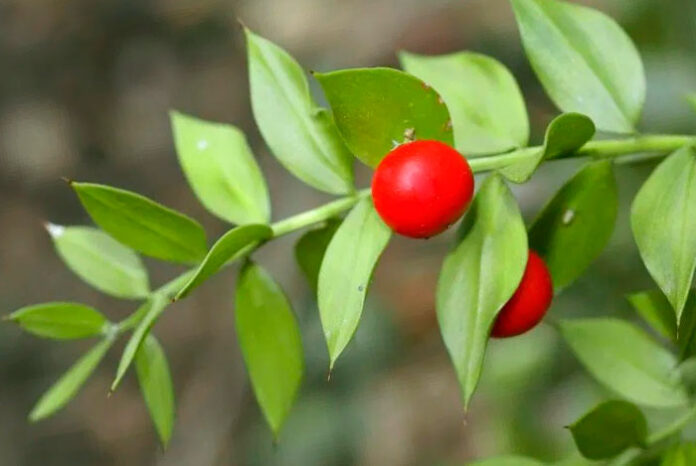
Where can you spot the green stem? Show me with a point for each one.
(675, 427)
(659, 144)
(319, 214)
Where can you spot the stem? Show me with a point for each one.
(317, 215)
(608, 149)
(673, 428)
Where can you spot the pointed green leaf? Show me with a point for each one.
(377, 107)
(69, 383)
(487, 107)
(101, 261)
(663, 217)
(626, 360)
(156, 386)
(683, 454)
(310, 250)
(301, 135)
(270, 341)
(478, 277)
(149, 312)
(608, 429)
(576, 225)
(654, 308)
(345, 274)
(584, 60)
(226, 249)
(221, 169)
(62, 321)
(564, 135)
(142, 224)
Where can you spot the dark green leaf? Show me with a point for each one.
(310, 250)
(70, 383)
(565, 134)
(686, 335)
(487, 107)
(663, 217)
(584, 60)
(345, 274)
(626, 360)
(510, 460)
(608, 429)
(101, 261)
(687, 374)
(270, 341)
(680, 455)
(62, 321)
(156, 386)
(376, 107)
(479, 277)
(654, 308)
(221, 169)
(575, 226)
(300, 134)
(149, 312)
(142, 224)
(226, 249)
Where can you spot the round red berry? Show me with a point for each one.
(530, 302)
(420, 188)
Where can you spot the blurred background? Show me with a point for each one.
(85, 87)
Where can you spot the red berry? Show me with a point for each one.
(530, 302)
(420, 188)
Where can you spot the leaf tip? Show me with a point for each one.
(241, 24)
(54, 230)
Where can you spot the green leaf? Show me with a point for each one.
(345, 274)
(226, 249)
(608, 429)
(479, 276)
(270, 341)
(509, 460)
(310, 250)
(564, 135)
(576, 225)
(654, 308)
(221, 169)
(61, 321)
(376, 107)
(301, 135)
(101, 261)
(626, 360)
(663, 217)
(584, 60)
(686, 334)
(67, 386)
(156, 386)
(149, 312)
(487, 107)
(680, 455)
(143, 224)
(687, 375)
(691, 98)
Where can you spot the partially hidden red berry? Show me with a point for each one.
(530, 302)
(420, 188)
